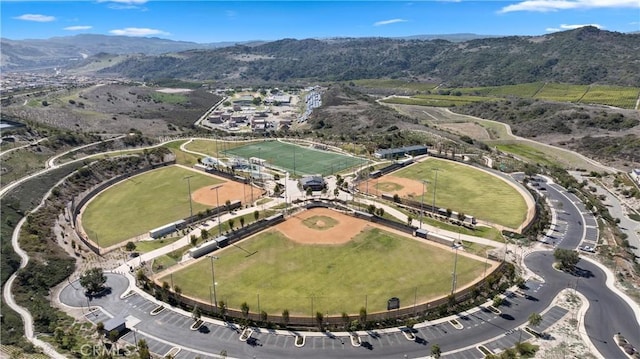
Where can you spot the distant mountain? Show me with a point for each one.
(62, 51)
(581, 56)
(461, 37)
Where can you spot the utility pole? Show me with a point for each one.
(188, 178)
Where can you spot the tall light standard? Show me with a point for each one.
(188, 178)
(213, 280)
(424, 182)
(218, 209)
(455, 265)
(435, 185)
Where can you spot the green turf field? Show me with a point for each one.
(374, 267)
(142, 203)
(213, 147)
(296, 159)
(469, 190)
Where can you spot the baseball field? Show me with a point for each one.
(298, 160)
(459, 187)
(153, 199)
(324, 261)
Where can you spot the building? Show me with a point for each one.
(393, 153)
(635, 174)
(316, 183)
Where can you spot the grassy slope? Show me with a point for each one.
(465, 189)
(144, 202)
(285, 275)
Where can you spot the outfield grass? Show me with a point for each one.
(142, 203)
(282, 274)
(296, 159)
(466, 189)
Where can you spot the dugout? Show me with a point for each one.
(422, 233)
(208, 247)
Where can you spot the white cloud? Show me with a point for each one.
(387, 22)
(78, 28)
(137, 31)
(36, 18)
(555, 5)
(572, 27)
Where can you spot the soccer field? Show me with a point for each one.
(368, 270)
(141, 203)
(468, 190)
(297, 160)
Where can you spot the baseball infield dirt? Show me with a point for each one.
(229, 190)
(342, 232)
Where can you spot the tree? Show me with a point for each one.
(449, 211)
(93, 280)
(100, 328)
(380, 212)
(567, 258)
(227, 204)
(242, 221)
(497, 301)
(196, 314)
(363, 315)
(461, 217)
(130, 246)
(177, 289)
(436, 351)
(309, 191)
(231, 223)
(336, 192)
(193, 239)
(244, 307)
(143, 349)
(222, 308)
(256, 215)
(264, 316)
(319, 319)
(285, 317)
(346, 320)
(204, 233)
(535, 319)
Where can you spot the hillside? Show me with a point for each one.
(582, 56)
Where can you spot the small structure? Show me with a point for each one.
(422, 233)
(245, 100)
(635, 174)
(316, 183)
(392, 153)
(116, 323)
(166, 229)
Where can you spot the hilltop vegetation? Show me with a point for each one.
(582, 56)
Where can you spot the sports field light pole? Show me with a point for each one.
(424, 182)
(435, 185)
(218, 210)
(188, 178)
(455, 265)
(213, 280)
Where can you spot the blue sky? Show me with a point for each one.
(215, 21)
